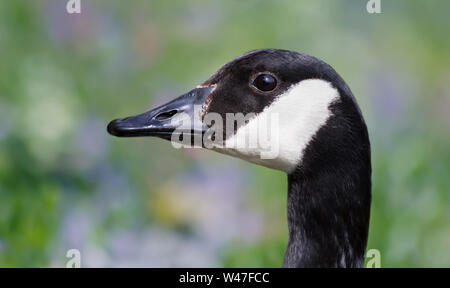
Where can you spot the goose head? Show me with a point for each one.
(291, 112)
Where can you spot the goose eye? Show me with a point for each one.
(265, 82)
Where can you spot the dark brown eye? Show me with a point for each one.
(265, 82)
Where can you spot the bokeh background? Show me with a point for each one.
(65, 183)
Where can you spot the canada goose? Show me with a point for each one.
(322, 145)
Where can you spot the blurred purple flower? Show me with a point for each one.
(92, 24)
(91, 143)
(392, 100)
(75, 229)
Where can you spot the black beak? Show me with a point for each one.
(180, 116)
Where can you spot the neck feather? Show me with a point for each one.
(329, 198)
(328, 221)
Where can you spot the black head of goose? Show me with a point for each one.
(292, 112)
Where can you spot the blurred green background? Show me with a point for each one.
(65, 183)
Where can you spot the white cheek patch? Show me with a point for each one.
(298, 114)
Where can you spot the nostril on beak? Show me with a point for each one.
(166, 115)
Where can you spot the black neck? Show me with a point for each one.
(329, 200)
(326, 228)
